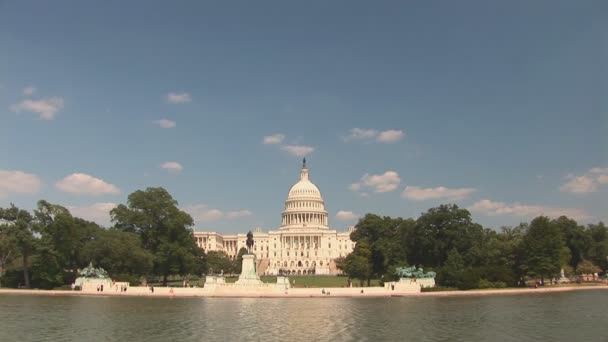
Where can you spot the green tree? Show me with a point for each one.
(164, 230)
(598, 245)
(119, 253)
(65, 234)
(8, 248)
(587, 267)
(575, 238)
(357, 264)
(19, 225)
(385, 237)
(218, 261)
(543, 245)
(440, 230)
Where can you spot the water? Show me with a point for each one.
(568, 316)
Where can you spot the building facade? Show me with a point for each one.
(302, 244)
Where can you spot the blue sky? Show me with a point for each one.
(398, 106)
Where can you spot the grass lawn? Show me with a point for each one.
(296, 281)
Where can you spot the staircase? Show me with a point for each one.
(262, 266)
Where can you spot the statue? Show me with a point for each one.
(92, 272)
(249, 242)
(412, 272)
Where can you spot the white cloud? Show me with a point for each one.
(45, 108)
(202, 213)
(81, 183)
(386, 182)
(18, 182)
(178, 98)
(29, 91)
(238, 213)
(587, 183)
(387, 137)
(97, 212)
(422, 194)
(298, 150)
(164, 123)
(274, 139)
(346, 215)
(491, 208)
(390, 136)
(361, 134)
(174, 167)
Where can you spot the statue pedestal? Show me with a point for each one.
(248, 275)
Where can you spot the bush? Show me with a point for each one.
(486, 284)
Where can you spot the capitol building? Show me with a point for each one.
(303, 244)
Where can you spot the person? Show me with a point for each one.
(361, 290)
(323, 291)
(171, 292)
(73, 286)
(97, 288)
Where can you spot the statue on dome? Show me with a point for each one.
(304, 162)
(249, 242)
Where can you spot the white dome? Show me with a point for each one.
(304, 207)
(304, 189)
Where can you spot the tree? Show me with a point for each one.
(357, 264)
(385, 238)
(20, 227)
(164, 230)
(218, 262)
(598, 245)
(8, 250)
(119, 253)
(440, 230)
(543, 245)
(587, 267)
(65, 234)
(575, 239)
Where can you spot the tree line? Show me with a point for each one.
(465, 255)
(150, 238)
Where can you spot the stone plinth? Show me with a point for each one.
(248, 274)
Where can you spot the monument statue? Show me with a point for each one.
(249, 242)
(92, 272)
(248, 276)
(412, 272)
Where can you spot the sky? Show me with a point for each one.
(398, 106)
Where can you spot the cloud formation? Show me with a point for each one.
(45, 108)
(390, 136)
(368, 135)
(589, 182)
(491, 208)
(274, 139)
(344, 215)
(165, 123)
(298, 150)
(97, 212)
(178, 98)
(422, 194)
(386, 182)
(173, 167)
(81, 183)
(18, 182)
(29, 91)
(202, 213)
